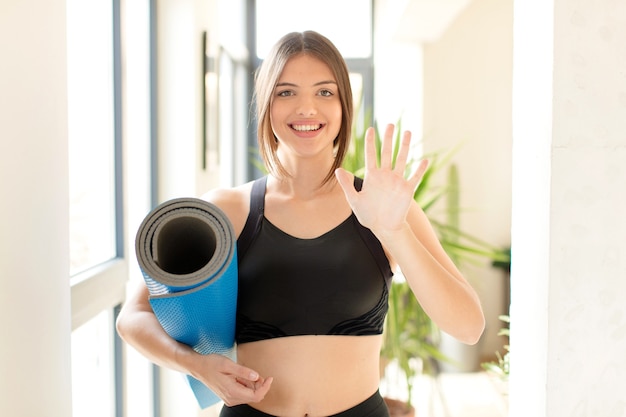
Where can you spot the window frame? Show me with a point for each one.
(103, 286)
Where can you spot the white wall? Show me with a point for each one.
(569, 257)
(467, 102)
(180, 26)
(34, 228)
(531, 215)
(178, 71)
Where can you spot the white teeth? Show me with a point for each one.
(306, 128)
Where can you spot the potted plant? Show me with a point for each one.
(410, 342)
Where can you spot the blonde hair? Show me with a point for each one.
(266, 78)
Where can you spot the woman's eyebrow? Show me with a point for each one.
(325, 82)
(288, 84)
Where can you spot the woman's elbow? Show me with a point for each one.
(120, 325)
(124, 324)
(473, 330)
(132, 315)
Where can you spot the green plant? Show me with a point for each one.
(500, 367)
(410, 334)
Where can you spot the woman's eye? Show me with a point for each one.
(326, 93)
(286, 93)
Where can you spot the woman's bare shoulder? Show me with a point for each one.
(234, 202)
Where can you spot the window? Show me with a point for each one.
(91, 133)
(347, 23)
(97, 265)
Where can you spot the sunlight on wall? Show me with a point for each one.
(399, 89)
(532, 140)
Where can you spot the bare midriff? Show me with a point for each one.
(314, 375)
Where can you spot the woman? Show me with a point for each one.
(316, 251)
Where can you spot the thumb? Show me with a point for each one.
(346, 181)
(243, 372)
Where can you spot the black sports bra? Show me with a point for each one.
(334, 284)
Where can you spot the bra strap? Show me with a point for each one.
(373, 244)
(253, 222)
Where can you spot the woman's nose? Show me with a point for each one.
(306, 107)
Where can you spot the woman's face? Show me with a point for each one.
(306, 110)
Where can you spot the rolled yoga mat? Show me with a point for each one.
(186, 250)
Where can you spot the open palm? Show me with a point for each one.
(384, 200)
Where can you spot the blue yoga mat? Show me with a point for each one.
(186, 250)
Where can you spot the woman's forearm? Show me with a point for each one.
(138, 326)
(142, 331)
(442, 291)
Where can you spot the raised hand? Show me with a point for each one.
(383, 202)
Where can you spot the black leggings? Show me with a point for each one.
(374, 406)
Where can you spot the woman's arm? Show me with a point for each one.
(443, 292)
(385, 205)
(138, 326)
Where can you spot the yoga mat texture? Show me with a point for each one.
(186, 250)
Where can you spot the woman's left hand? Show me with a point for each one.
(384, 200)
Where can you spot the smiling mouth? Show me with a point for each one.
(306, 128)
